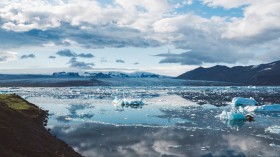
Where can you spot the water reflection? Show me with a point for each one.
(111, 141)
(235, 124)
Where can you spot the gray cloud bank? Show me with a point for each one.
(69, 53)
(120, 61)
(79, 64)
(27, 56)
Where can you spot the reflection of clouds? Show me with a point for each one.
(74, 114)
(112, 141)
(64, 119)
(76, 107)
(234, 124)
(249, 146)
(143, 148)
(163, 148)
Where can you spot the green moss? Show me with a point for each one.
(15, 102)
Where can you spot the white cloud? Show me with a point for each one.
(227, 3)
(27, 15)
(259, 24)
(154, 6)
(143, 23)
(171, 70)
(7, 56)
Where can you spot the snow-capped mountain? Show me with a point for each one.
(65, 74)
(263, 74)
(122, 75)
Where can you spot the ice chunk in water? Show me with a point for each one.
(238, 101)
(274, 145)
(273, 129)
(264, 108)
(232, 115)
(127, 102)
(237, 112)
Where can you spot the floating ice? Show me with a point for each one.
(238, 101)
(209, 106)
(170, 100)
(237, 111)
(273, 129)
(128, 102)
(274, 145)
(232, 115)
(264, 108)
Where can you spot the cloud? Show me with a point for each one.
(81, 65)
(259, 25)
(144, 23)
(227, 4)
(7, 56)
(120, 61)
(86, 55)
(198, 58)
(117, 25)
(66, 53)
(69, 53)
(27, 56)
(52, 57)
(103, 60)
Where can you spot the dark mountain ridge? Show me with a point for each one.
(263, 74)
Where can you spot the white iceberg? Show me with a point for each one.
(238, 101)
(264, 108)
(128, 102)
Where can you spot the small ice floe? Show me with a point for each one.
(232, 115)
(128, 102)
(174, 146)
(273, 145)
(237, 111)
(273, 129)
(238, 101)
(209, 106)
(264, 108)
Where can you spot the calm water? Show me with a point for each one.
(167, 125)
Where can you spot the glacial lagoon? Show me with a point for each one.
(174, 121)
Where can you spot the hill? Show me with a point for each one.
(22, 132)
(263, 74)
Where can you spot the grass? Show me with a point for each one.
(15, 102)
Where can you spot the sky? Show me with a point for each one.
(167, 37)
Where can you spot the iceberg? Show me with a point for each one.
(232, 115)
(238, 101)
(237, 111)
(263, 108)
(128, 102)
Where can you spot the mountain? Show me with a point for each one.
(263, 74)
(65, 79)
(122, 75)
(66, 74)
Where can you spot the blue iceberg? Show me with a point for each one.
(238, 101)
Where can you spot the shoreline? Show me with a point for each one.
(22, 130)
